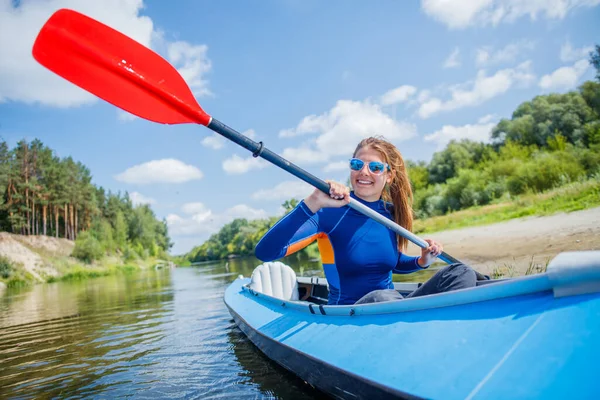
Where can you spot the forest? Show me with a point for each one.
(43, 194)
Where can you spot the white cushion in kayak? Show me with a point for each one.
(275, 279)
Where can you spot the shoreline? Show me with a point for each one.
(39, 259)
(509, 248)
(515, 245)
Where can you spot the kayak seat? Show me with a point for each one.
(275, 279)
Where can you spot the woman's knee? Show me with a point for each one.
(378, 296)
(462, 273)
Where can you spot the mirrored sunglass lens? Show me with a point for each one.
(376, 167)
(356, 164)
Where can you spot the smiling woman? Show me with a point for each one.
(359, 255)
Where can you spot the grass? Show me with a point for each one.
(572, 197)
(508, 270)
(81, 272)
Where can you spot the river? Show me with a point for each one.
(151, 334)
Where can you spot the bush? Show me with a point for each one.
(545, 171)
(6, 267)
(467, 190)
(87, 248)
(589, 159)
(430, 202)
(129, 254)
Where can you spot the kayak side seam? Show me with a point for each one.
(503, 359)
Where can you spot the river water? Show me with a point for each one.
(152, 334)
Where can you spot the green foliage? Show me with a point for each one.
(418, 174)
(466, 190)
(129, 254)
(572, 197)
(87, 248)
(6, 267)
(42, 194)
(289, 205)
(590, 91)
(545, 171)
(533, 122)
(456, 156)
(595, 60)
(557, 142)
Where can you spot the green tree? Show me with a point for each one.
(289, 205)
(533, 122)
(418, 174)
(457, 155)
(595, 60)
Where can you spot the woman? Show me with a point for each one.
(359, 255)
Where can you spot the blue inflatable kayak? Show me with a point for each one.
(531, 337)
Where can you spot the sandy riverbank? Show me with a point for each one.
(515, 244)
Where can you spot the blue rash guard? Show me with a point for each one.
(359, 255)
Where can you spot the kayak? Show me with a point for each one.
(534, 336)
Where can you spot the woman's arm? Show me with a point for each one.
(407, 264)
(290, 234)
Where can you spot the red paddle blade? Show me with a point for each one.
(116, 68)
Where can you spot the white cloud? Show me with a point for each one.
(336, 166)
(486, 55)
(138, 198)
(24, 79)
(213, 141)
(126, 116)
(453, 61)
(424, 95)
(195, 208)
(203, 221)
(192, 63)
(250, 133)
(569, 54)
(340, 129)
(304, 155)
(238, 165)
(487, 118)
(398, 95)
(482, 89)
(284, 191)
(459, 14)
(479, 132)
(564, 78)
(160, 171)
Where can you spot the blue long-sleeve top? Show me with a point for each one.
(358, 254)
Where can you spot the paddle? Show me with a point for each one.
(123, 72)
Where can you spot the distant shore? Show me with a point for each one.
(38, 259)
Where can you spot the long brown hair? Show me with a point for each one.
(398, 191)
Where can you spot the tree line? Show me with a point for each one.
(43, 194)
(548, 142)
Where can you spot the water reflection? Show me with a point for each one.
(61, 339)
(156, 334)
(257, 369)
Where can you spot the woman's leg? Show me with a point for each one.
(453, 277)
(377, 296)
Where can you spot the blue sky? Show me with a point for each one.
(309, 78)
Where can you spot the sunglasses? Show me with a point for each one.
(375, 167)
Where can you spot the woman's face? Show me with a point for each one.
(368, 185)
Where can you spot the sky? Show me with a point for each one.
(308, 78)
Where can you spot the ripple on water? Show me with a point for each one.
(161, 334)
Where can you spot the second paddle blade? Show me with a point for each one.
(116, 68)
